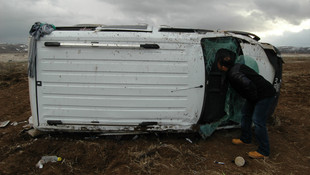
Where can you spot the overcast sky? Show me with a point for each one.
(279, 22)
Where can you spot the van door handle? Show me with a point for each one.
(201, 86)
(149, 46)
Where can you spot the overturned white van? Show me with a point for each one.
(128, 79)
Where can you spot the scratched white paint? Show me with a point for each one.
(114, 85)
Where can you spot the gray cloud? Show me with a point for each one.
(185, 13)
(293, 11)
(300, 39)
(16, 17)
(215, 14)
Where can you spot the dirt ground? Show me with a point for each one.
(155, 153)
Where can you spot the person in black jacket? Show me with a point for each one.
(259, 95)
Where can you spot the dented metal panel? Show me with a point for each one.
(257, 52)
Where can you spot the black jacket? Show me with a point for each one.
(249, 84)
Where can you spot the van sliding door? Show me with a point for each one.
(216, 83)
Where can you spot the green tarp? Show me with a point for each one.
(233, 102)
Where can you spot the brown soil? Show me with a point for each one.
(155, 153)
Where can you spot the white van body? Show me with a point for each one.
(124, 80)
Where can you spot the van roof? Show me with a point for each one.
(145, 28)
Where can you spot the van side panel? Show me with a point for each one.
(257, 52)
(103, 87)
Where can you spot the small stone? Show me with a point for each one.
(239, 161)
(34, 132)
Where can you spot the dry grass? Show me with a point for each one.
(12, 72)
(160, 154)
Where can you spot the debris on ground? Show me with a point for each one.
(189, 140)
(47, 159)
(34, 132)
(220, 163)
(4, 124)
(239, 161)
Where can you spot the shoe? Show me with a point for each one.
(238, 142)
(256, 155)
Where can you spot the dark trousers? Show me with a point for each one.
(258, 114)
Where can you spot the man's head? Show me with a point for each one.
(225, 59)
